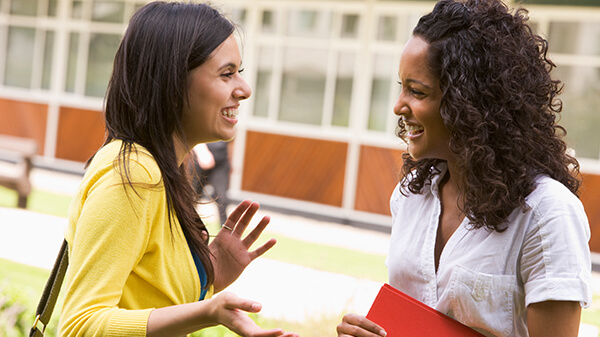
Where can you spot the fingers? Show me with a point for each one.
(241, 225)
(359, 326)
(257, 231)
(263, 249)
(236, 214)
(233, 302)
(241, 216)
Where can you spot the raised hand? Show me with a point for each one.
(230, 253)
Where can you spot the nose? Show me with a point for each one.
(400, 108)
(242, 91)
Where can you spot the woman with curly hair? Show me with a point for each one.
(487, 225)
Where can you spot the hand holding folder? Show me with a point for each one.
(402, 316)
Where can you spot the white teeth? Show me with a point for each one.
(230, 113)
(413, 128)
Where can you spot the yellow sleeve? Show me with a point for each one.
(108, 234)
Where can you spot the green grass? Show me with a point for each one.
(31, 281)
(316, 256)
(322, 257)
(39, 201)
(27, 276)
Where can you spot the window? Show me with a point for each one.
(343, 89)
(350, 25)
(563, 2)
(379, 110)
(581, 99)
(264, 76)
(574, 38)
(303, 86)
(102, 51)
(108, 11)
(20, 52)
(48, 52)
(386, 28)
(24, 7)
(309, 23)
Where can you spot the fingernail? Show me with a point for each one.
(383, 333)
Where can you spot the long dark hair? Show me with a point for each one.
(148, 90)
(500, 105)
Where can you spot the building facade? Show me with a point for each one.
(317, 135)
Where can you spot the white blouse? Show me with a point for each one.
(486, 279)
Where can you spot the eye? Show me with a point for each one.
(240, 71)
(228, 75)
(416, 92)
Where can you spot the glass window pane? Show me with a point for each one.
(238, 16)
(386, 28)
(581, 99)
(263, 82)
(48, 57)
(303, 86)
(574, 38)
(383, 68)
(564, 2)
(100, 60)
(343, 89)
(72, 63)
(24, 7)
(52, 7)
(19, 57)
(138, 6)
(269, 22)
(108, 11)
(77, 9)
(350, 24)
(309, 23)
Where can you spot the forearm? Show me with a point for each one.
(180, 320)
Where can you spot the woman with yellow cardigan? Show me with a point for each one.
(140, 262)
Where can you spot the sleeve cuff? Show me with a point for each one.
(559, 289)
(129, 323)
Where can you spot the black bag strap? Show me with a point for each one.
(44, 309)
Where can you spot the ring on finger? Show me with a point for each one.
(227, 227)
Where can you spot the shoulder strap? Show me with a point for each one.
(44, 310)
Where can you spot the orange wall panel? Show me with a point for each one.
(24, 119)
(292, 167)
(378, 174)
(590, 197)
(80, 133)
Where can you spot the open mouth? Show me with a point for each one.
(230, 113)
(413, 130)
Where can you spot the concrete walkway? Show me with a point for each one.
(286, 291)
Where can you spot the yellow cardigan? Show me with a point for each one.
(124, 257)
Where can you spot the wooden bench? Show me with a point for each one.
(20, 151)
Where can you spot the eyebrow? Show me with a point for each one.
(229, 65)
(418, 82)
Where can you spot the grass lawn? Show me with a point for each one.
(321, 257)
(30, 282)
(317, 256)
(39, 201)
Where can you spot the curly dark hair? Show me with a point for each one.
(500, 105)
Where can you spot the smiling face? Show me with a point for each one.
(214, 92)
(419, 104)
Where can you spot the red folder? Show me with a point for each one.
(402, 316)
